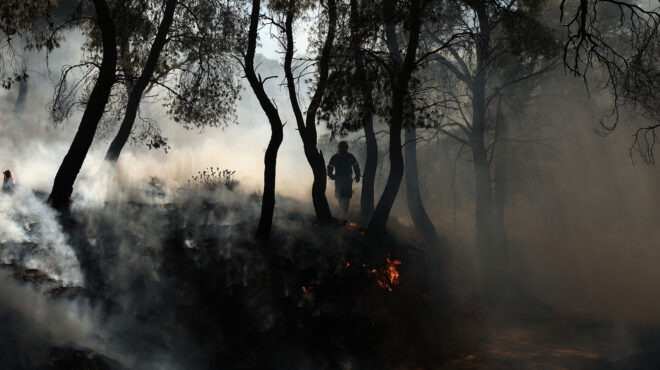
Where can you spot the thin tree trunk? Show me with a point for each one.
(307, 125)
(489, 235)
(19, 105)
(370, 167)
(413, 195)
(484, 210)
(66, 175)
(277, 132)
(137, 90)
(403, 71)
(371, 163)
(500, 161)
(480, 159)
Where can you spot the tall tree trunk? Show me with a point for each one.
(370, 167)
(371, 162)
(19, 105)
(480, 159)
(73, 161)
(268, 200)
(369, 175)
(500, 162)
(490, 237)
(402, 70)
(413, 195)
(137, 90)
(307, 125)
(277, 132)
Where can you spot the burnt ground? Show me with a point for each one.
(320, 297)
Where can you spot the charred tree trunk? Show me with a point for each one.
(369, 176)
(402, 70)
(413, 195)
(277, 132)
(70, 167)
(138, 88)
(307, 125)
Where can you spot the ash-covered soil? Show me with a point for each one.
(185, 286)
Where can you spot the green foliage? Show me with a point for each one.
(197, 78)
(524, 34)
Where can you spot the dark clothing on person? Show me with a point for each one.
(341, 168)
(8, 182)
(344, 187)
(342, 164)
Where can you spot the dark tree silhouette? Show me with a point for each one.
(189, 59)
(270, 159)
(400, 69)
(366, 110)
(98, 98)
(137, 89)
(497, 34)
(307, 124)
(623, 39)
(348, 104)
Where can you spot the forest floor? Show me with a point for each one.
(208, 296)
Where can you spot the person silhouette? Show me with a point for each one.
(7, 182)
(340, 169)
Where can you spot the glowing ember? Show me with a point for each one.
(307, 289)
(352, 225)
(388, 276)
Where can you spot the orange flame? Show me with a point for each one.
(387, 277)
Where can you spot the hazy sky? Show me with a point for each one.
(34, 148)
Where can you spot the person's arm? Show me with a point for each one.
(331, 169)
(356, 169)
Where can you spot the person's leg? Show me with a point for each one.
(344, 203)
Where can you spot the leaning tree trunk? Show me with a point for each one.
(277, 132)
(268, 200)
(379, 218)
(137, 90)
(403, 72)
(371, 163)
(98, 98)
(319, 185)
(413, 195)
(307, 125)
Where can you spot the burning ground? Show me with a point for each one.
(183, 283)
(180, 283)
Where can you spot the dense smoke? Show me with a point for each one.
(579, 212)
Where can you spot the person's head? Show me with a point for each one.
(342, 147)
(7, 175)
